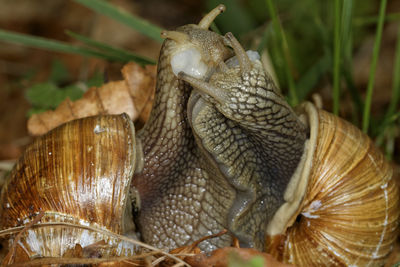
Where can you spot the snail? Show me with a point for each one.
(78, 175)
(221, 149)
(183, 196)
(340, 206)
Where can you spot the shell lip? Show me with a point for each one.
(297, 187)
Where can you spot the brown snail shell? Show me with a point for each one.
(349, 215)
(77, 174)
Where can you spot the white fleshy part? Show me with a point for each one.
(253, 56)
(190, 62)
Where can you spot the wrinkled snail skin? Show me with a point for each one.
(340, 207)
(78, 175)
(183, 196)
(254, 136)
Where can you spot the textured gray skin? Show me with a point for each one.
(231, 169)
(183, 195)
(256, 140)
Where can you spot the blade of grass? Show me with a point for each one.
(110, 50)
(347, 58)
(396, 79)
(355, 95)
(118, 14)
(264, 38)
(215, 28)
(365, 21)
(389, 117)
(336, 57)
(311, 77)
(375, 54)
(234, 13)
(52, 45)
(293, 99)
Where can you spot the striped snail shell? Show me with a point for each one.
(349, 214)
(78, 175)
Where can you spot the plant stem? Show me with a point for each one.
(336, 58)
(371, 81)
(139, 24)
(285, 51)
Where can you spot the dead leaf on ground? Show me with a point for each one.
(134, 95)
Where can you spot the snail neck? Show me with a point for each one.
(166, 136)
(167, 124)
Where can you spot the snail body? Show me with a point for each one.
(339, 206)
(183, 195)
(64, 176)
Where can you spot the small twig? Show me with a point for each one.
(10, 256)
(104, 232)
(197, 242)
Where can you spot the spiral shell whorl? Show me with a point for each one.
(77, 174)
(350, 213)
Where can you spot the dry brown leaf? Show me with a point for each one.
(141, 83)
(134, 96)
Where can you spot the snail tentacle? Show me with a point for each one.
(243, 58)
(210, 17)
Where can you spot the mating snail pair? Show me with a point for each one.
(221, 150)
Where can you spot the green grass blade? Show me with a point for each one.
(110, 50)
(52, 45)
(293, 99)
(390, 116)
(355, 95)
(366, 21)
(336, 57)
(235, 12)
(375, 54)
(310, 78)
(118, 14)
(264, 38)
(396, 79)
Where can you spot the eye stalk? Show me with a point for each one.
(205, 87)
(243, 58)
(178, 37)
(210, 17)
